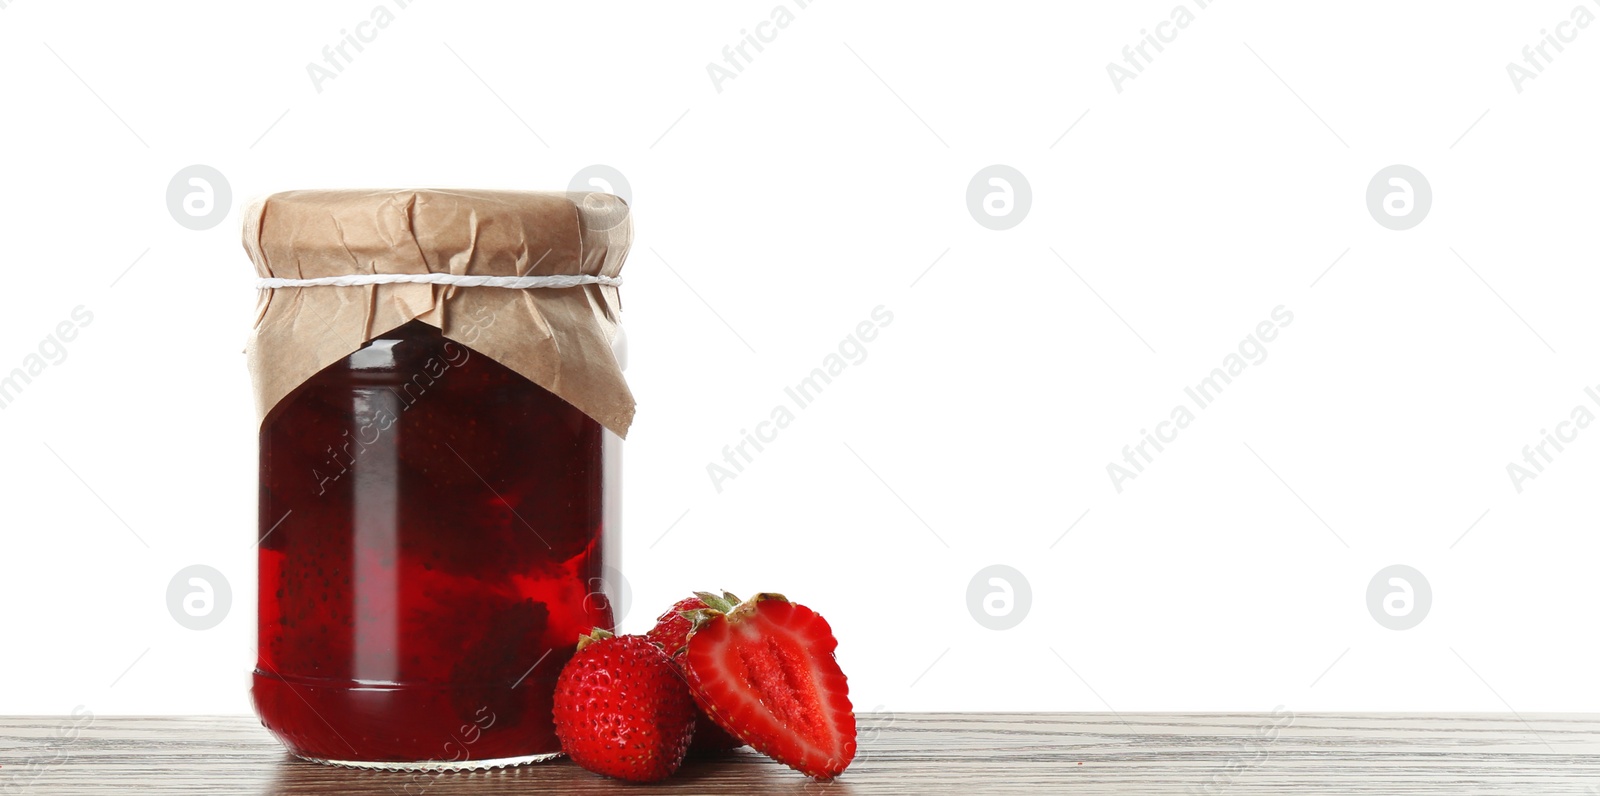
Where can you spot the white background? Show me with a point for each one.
(771, 218)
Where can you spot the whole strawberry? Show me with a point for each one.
(764, 670)
(672, 633)
(622, 708)
(672, 628)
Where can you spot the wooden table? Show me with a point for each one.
(922, 754)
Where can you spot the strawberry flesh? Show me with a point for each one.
(766, 672)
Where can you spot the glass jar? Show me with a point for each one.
(436, 529)
(435, 533)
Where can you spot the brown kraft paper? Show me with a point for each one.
(558, 338)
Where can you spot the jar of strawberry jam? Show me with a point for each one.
(439, 380)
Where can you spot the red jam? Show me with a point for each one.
(434, 545)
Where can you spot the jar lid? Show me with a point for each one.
(558, 333)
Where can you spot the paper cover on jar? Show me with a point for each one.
(557, 337)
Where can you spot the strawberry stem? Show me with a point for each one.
(720, 603)
(596, 634)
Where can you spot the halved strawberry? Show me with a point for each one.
(672, 632)
(764, 670)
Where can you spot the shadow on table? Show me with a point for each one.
(742, 772)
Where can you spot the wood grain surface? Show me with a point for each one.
(928, 753)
